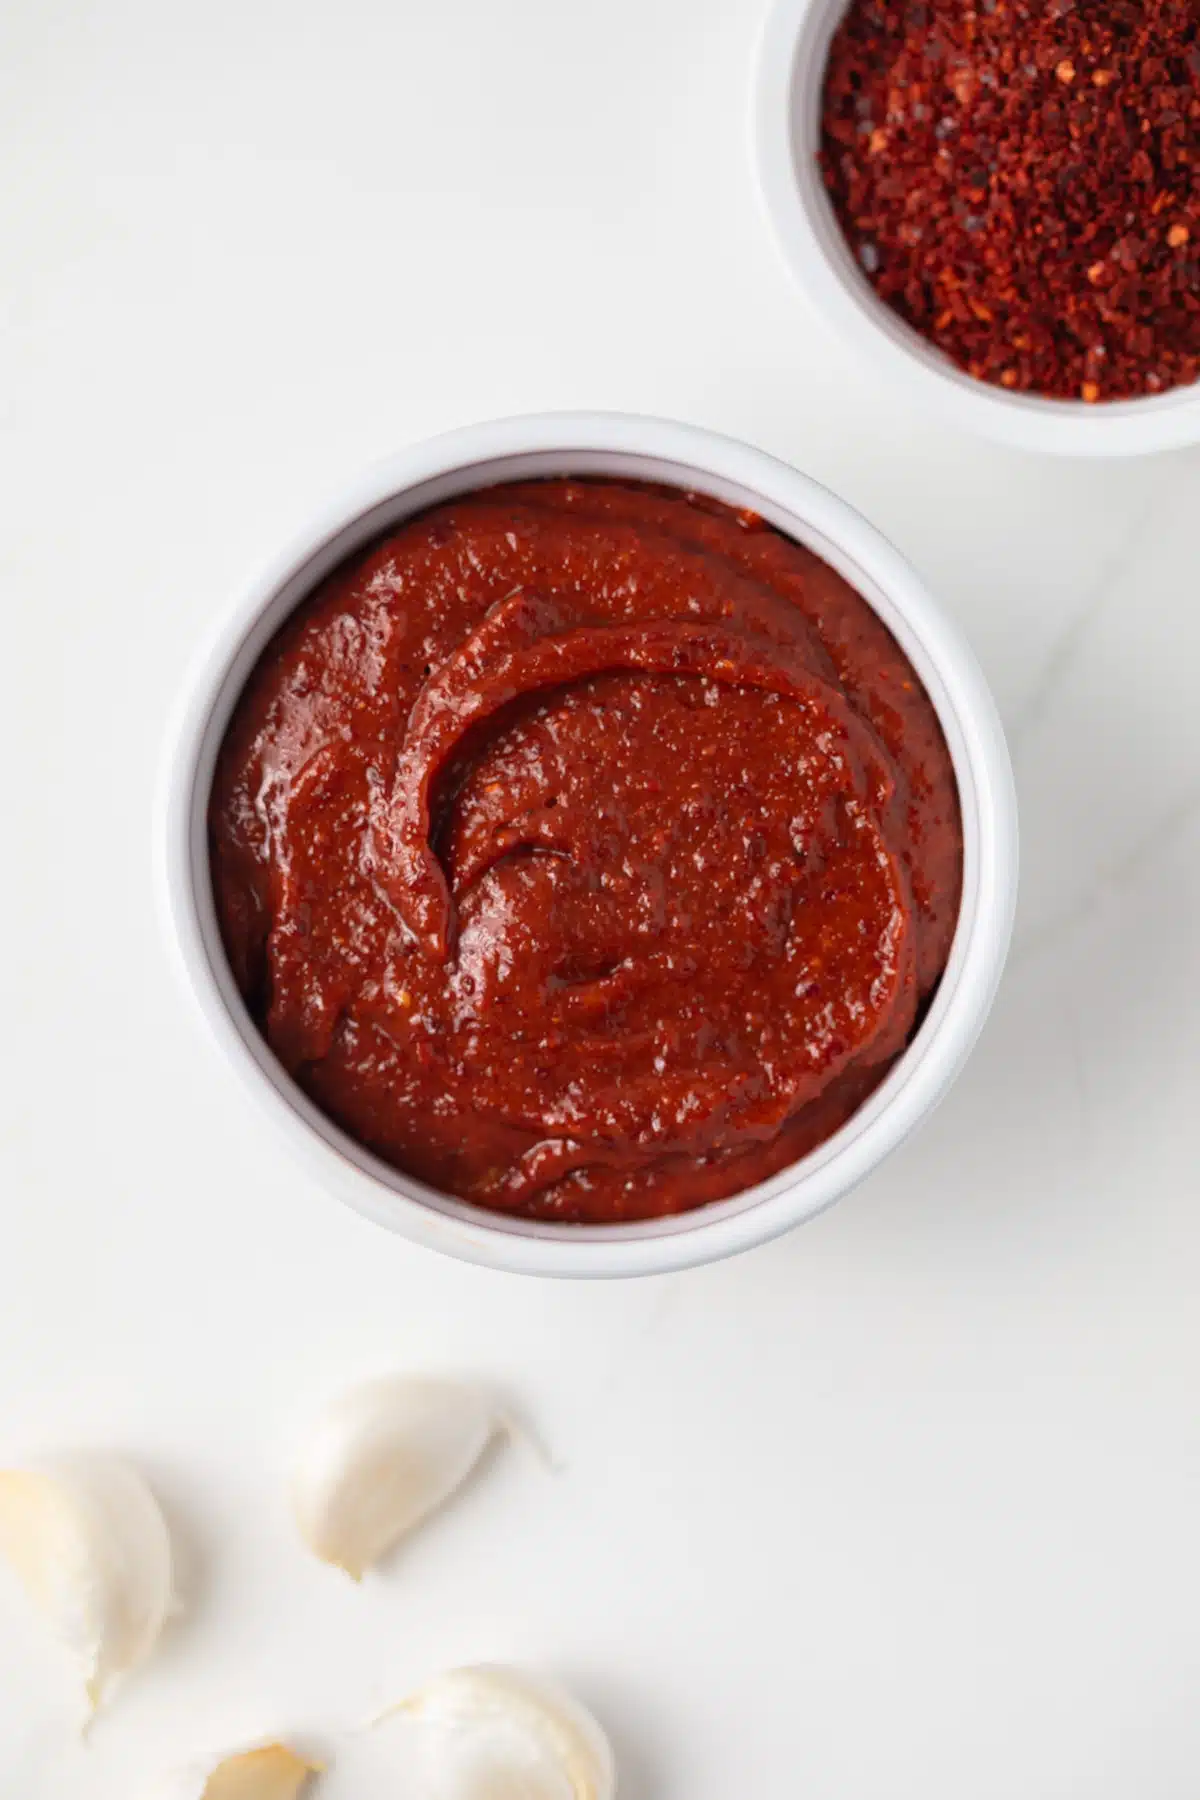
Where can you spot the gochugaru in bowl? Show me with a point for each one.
(586, 849)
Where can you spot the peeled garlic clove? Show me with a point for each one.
(268, 1772)
(381, 1458)
(502, 1734)
(87, 1538)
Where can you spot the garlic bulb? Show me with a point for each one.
(87, 1538)
(501, 1734)
(381, 1458)
(267, 1772)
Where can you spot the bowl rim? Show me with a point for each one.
(790, 63)
(594, 443)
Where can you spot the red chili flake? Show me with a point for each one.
(1020, 180)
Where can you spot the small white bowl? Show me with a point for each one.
(684, 456)
(787, 133)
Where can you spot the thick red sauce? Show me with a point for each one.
(586, 849)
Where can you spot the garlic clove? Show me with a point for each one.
(383, 1457)
(502, 1734)
(266, 1772)
(89, 1541)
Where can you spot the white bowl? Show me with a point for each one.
(601, 444)
(787, 132)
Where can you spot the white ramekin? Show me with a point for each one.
(600, 444)
(787, 131)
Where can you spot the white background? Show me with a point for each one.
(905, 1505)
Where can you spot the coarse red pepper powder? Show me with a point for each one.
(1021, 182)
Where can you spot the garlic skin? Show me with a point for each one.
(503, 1734)
(89, 1541)
(381, 1458)
(265, 1772)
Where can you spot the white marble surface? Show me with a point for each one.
(904, 1505)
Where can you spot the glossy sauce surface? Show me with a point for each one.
(586, 849)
